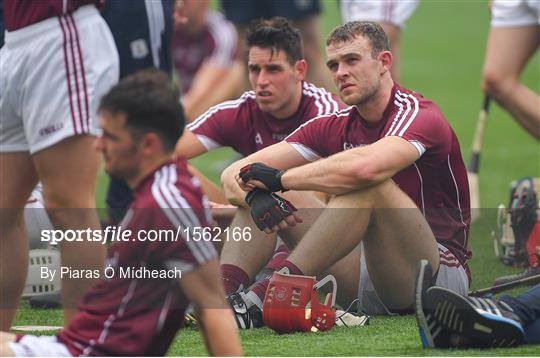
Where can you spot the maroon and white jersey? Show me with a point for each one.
(240, 124)
(437, 181)
(216, 44)
(21, 13)
(140, 316)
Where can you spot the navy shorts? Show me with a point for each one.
(242, 12)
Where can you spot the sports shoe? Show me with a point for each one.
(246, 313)
(432, 334)
(481, 322)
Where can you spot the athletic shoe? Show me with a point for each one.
(432, 334)
(246, 313)
(482, 322)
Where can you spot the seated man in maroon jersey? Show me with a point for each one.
(135, 313)
(394, 165)
(280, 102)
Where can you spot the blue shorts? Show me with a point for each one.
(242, 12)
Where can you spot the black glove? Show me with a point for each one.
(268, 209)
(269, 176)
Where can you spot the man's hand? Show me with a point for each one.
(271, 212)
(259, 175)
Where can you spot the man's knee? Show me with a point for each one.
(497, 84)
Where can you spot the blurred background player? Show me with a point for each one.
(513, 40)
(58, 59)
(141, 120)
(305, 15)
(280, 102)
(390, 14)
(204, 50)
(142, 31)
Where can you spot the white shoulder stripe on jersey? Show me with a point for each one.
(465, 239)
(305, 152)
(325, 96)
(416, 108)
(170, 200)
(224, 105)
(342, 113)
(207, 248)
(408, 109)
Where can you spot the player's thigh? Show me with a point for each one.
(17, 179)
(398, 237)
(68, 171)
(509, 49)
(71, 63)
(5, 339)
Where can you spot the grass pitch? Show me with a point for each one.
(442, 55)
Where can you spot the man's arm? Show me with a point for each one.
(203, 287)
(353, 169)
(280, 155)
(213, 84)
(189, 146)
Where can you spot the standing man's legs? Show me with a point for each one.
(68, 171)
(508, 50)
(17, 179)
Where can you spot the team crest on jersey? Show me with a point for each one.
(347, 145)
(139, 48)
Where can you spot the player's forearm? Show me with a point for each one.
(220, 332)
(339, 174)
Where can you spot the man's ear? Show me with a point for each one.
(301, 69)
(385, 59)
(150, 144)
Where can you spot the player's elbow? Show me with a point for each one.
(368, 173)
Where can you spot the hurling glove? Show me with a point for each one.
(267, 208)
(267, 175)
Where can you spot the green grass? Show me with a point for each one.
(442, 54)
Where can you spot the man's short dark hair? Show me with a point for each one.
(370, 30)
(276, 34)
(151, 104)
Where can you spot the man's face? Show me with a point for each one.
(274, 80)
(120, 151)
(355, 72)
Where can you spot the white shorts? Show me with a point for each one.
(395, 12)
(39, 346)
(451, 275)
(515, 13)
(53, 74)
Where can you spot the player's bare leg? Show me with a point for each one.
(311, 35)
(17, 179)
(252, 255)
(394, 239)
(6, 338)
(68, 171)
(394, 38)
(508, 50)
